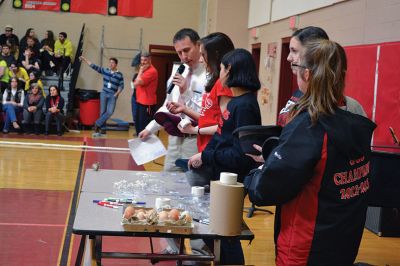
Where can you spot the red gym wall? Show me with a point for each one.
(375, 69)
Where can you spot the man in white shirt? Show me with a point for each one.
(189, 88)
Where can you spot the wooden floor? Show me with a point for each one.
(31, 173)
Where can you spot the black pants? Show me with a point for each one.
(62, 64)
(144, 115)
(59, 120)
(45, 57)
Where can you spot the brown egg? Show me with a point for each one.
(129, 212)
(163, 216)
(141, 215)
(138, 210)
(174, 215)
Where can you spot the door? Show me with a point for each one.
(255, 52)
(162, 58)
(287, 81)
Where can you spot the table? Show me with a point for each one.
(107, 221)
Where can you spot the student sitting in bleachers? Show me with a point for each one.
(54, 109)
(30, 61)
(33, 109)
(13, 99)
(20, 73)
(34, 78)
(47, 52)
(33, 43)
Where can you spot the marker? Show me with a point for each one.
(205, 221)
(125, 201)
(108, 202)
(107, 205)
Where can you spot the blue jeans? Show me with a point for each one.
(134, 106)
(107, 106)
(10, 112)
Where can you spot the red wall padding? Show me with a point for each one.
(388, 94)
(360, 78)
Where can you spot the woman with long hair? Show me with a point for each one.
(319, 172)
(47, 52)
(13, 98)
(54, 109)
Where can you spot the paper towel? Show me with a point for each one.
(226, 208)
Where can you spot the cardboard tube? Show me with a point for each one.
(226, 208)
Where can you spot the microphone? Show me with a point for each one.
(180, 70)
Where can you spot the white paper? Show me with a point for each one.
(144, 151)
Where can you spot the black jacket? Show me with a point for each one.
(319, 174)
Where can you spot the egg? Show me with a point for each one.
(141, 215)
(162, 216)
(129, 212)
(139, 210)
(174, 215)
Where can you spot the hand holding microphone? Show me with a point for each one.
(180, 70)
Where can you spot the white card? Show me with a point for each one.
(144, 151)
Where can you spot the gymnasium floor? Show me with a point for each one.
(39, 180)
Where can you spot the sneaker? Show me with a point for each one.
(103, 131)
(97, 135)
(96, 129)
(5, 131)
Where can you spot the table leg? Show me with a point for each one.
(98, 249)
(181, 248)
(217, 251)
(81, 250)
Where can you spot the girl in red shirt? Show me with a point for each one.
(212, 48)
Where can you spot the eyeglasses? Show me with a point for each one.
(296, 65)
(8, 30)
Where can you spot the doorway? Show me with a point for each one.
(287, 81)
(162, 58)
(255, 52)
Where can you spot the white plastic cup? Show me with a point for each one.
(228, 178)
(197, 191)
(163, 203)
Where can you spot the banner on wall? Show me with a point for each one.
(128, 8)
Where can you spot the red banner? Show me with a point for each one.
(89, 6)
(129, 8)
(135, 8)
(50, 5)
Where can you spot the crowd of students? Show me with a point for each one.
(22, 64)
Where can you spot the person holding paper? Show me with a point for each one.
(189, 89)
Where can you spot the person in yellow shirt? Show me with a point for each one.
(62, 53)
(34, 78)
(19, 73)
(4, 75)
